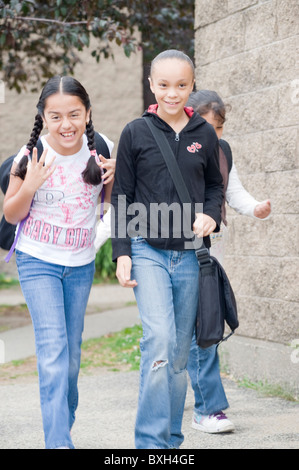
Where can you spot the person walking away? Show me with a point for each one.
(203, 364)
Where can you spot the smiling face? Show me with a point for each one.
(65, 117)
(171, 82)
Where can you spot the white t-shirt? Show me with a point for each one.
(60, 228)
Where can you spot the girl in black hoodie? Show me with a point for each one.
(152, 246)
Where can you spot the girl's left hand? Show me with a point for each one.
(107, 164)
(204, 225)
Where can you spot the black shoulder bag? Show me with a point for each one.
(217, 303)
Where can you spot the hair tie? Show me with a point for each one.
(94, 154)
(27, 152)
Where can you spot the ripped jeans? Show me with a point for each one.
(167, 296)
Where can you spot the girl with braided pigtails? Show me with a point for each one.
(55, 251)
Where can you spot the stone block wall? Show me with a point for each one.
(247, 51)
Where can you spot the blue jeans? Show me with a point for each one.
(203, 369)
(56, 297)
(167, 295)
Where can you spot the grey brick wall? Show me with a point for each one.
(247, 51)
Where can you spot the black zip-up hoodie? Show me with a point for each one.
(142, 183)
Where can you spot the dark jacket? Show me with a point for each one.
(227, 152)
(142, 177)
(225, 165)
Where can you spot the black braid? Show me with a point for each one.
(90, 135)
(92, 173)
(21, 169)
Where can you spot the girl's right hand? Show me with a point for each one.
(37, 171)
(123, 271)
(19, 194)
(203, 225)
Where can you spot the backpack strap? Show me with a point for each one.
(7, 164)
(40, 150)
(227, 152)
(12, 248)
(102, 149)
(5, 173)
(101, 146)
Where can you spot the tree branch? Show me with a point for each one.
(44, 20)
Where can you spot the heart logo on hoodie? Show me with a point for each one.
(194, 147)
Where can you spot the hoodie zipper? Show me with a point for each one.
(177, 137)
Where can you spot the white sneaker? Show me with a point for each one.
(215, 423)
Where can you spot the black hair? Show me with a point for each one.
(204, 101)
(70, 86)
(172, 54)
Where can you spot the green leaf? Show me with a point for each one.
(2, 39)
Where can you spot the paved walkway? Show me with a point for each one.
(107, 406)
(117, 309)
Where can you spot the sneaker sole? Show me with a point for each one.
(227, 428)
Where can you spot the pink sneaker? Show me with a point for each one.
(215, 423)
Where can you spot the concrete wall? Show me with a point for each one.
(247, 51)
(115, 90)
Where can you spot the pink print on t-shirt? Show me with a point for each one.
(52, 234)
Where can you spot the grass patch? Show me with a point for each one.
(24, 369)
(262, 387)
(117, 351)
(267, 389)
(7, 281)
(114, 352)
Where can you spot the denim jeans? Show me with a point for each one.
(56, 297)
(167, 296)
(203, 369)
